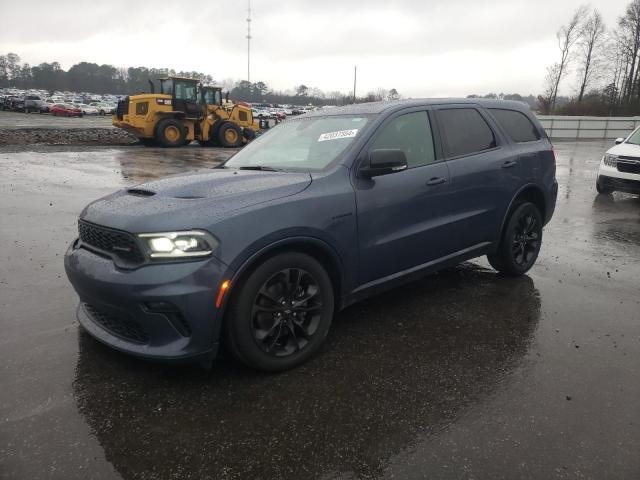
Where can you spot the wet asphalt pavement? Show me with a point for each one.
(464, 374)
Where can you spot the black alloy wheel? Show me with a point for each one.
(520, 242)
(286, 312)
(526, 239)
(280, 313)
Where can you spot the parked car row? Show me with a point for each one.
(279, 112)
(38, 101)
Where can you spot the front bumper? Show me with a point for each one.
(163, 311)
(620, 181)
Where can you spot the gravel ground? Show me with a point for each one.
(21, 129)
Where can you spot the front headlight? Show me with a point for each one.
(610, 160)
(174, 245)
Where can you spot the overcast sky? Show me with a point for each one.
(421, 48)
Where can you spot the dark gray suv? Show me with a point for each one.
(316, 214)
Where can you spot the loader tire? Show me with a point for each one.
(230, 135)
(170, 133)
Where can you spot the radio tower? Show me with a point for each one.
(249, 41)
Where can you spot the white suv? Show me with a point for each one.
(620, 166)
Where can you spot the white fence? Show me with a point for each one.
(588, 128)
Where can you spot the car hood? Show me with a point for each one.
(189, 201)
(626, 150)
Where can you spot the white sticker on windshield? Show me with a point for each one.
(338, 135)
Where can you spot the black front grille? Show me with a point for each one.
(629, 166)
(122, 108)
(117, 325)
(111, 242)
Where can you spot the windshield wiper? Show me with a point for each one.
(263, 168)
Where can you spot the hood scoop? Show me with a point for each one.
(140, 192)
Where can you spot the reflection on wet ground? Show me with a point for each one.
(402, 365)
(464, 374)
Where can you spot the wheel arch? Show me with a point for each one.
(529, 193)
(314, 247)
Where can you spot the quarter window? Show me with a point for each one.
(465, 131)
(516, 124)
(410, 133)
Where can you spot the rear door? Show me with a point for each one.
(403, 217)
(485, 173)
(526, 138)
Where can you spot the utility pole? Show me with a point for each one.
(249, 41)
(355, 76)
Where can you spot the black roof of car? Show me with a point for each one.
(380, 107)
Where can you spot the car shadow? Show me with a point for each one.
(395, 368)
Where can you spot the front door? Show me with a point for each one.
(185, 98)
(403, 217)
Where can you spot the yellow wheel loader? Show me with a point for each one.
(184, 111)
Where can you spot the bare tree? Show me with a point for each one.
(629, 42)
(590, 43)
(567, 36)
(550, 81)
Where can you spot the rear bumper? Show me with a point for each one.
(127, 127)
(164, 312)
(551, 202)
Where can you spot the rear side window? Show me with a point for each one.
(516, 124)
(465, 131)
(410, 133)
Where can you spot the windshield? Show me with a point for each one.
(301, 144)
(634, 138)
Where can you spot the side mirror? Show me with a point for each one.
(384, 162)
(619, 141)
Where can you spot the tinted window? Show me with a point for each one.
(465, 131)
(516, 124)
(410, 133)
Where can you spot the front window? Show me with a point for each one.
(301, 144)
(186, 91)
(212, 97)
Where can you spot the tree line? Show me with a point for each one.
(605, 63)
(101, 79)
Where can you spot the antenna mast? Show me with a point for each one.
(249, 41)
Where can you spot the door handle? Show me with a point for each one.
(436, 181)
(509, 164)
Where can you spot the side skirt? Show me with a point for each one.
(406, 276)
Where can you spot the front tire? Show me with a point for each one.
(281, 313)
(520, 242)
(602, 190)
(229, 135)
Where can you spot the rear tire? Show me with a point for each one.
(280, 314)
(520, 242)
(602, 190)
(170, 133)
(229, 135)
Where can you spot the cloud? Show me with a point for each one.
(419, 47)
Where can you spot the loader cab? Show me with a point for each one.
(184, 94)
(210, 96)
